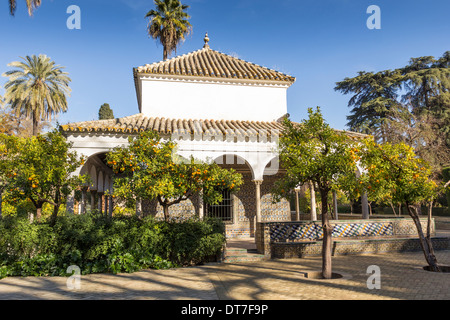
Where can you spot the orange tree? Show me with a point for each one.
(148, 169)
(393, 173)
(313, 151)
(40, 169)
(5, 168)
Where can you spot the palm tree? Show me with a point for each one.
(37, 89)
(169, 23)
(31, 5)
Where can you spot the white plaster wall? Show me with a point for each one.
(206, 100)
(89, 145)
(258, 154)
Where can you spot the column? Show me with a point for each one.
(82, 208)
(258, 199)
(235, 207)
(93, 192)
(111, 206)
(297, 204)
(106, 204)
(70, 203)
(201, 207)
(313, 201)
(100, 202)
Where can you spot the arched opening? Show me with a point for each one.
(93, 196)
(238, 209)
(236, 162)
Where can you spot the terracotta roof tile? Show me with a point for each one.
(140, 122)
(213, 64)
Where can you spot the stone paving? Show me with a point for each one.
(401, 278)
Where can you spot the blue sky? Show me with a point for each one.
(320, 42)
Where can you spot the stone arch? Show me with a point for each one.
(229, 158)
(244, 206)
(97, 169)
(100, 181)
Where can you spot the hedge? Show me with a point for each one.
(101, 245)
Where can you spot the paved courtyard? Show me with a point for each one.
(401, 278)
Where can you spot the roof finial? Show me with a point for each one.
(206, 41)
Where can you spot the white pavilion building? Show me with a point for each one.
(215, 107)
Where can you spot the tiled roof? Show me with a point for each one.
(213, 64)
(138, 123)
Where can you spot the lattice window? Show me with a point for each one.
(223, 210)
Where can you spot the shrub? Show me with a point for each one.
(192, 241)
(100, 245)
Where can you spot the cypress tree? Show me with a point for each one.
(105, 112)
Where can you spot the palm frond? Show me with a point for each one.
(169, 23)
(37, 88)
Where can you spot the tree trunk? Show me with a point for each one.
(327, 242)
(35, 125)
(393, 209)
(428, 236)
(165, 53)
(166, 213)
(55, 209)
(427, 247)
(54, 215)
(419, 209)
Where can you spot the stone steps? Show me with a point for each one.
(242, 252)
(242, 255)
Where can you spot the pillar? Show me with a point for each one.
(93, 192)
(258, 199)
(297, 204)
(111, 206)
(82, 207)
(235, 207)
(313, 201)
(201, 207)
(70, 203)
(100, 202)
(106, 204)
